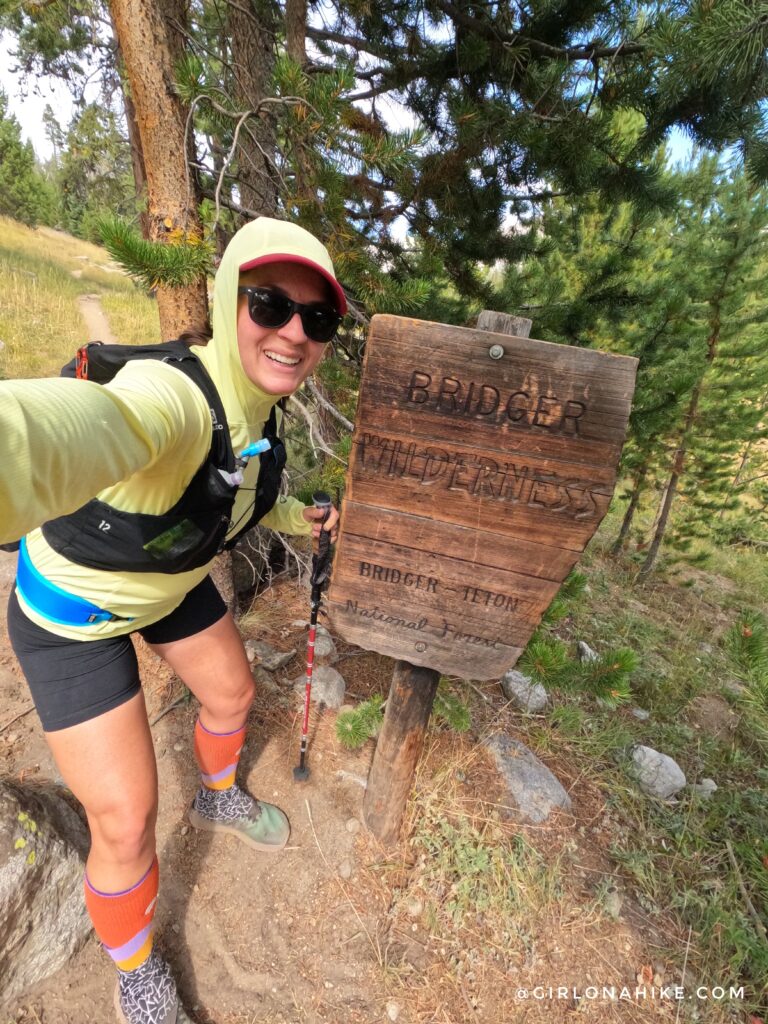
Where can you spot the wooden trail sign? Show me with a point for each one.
(481, 466)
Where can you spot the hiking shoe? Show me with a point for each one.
(259, 824)
(148, 995)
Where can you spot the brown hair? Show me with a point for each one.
(200, 335)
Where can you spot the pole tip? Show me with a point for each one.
(300, 774)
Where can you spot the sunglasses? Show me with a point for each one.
(269, 308)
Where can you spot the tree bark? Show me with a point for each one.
(252, 39)
(160, 116)
(629, 515)
(296, 30)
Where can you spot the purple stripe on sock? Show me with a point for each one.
(211, 733)
(116, 894)
(218, 776)
(133, 945)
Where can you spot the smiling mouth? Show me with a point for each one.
(282, 360)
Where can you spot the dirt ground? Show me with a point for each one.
(335, 929)
(273, 938)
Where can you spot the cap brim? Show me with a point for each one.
(286, 257)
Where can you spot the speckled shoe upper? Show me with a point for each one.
(257, 823)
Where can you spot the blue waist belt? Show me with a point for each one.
(52, 602)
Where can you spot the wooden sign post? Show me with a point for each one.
(481, 465)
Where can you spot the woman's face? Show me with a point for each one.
(278, 359)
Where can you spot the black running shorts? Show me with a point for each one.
(73, 681)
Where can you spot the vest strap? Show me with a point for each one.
(52, 602)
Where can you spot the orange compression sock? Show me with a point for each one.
(218, 753)
(124, 920)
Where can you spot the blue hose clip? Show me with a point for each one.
(257, 448)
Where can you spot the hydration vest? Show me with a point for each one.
(188, 535)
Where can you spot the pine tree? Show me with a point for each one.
(25, 194)
(723, 247)
(94, 175)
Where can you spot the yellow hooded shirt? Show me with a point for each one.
(135, 443)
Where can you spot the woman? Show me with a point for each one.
(102, 468)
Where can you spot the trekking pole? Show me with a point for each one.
(320, 562)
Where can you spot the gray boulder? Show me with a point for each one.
(522, 692)
(657, 774)
(43, 920)
(531, 784)
(328, 686)
(266, 656)
(325, 649)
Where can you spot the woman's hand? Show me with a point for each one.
(314, 515)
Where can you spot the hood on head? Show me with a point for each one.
(264, 240)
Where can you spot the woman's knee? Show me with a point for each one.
(123, 833)
(233, 701)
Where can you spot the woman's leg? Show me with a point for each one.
(109, 764)
(213, 664)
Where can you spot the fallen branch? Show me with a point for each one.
(174, 704)
(21, 714)
(320, 398)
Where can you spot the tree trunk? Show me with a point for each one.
(252, 39)
(629, 515)
(160, 117)
(296, 30)
(137, 161)
(666, 507)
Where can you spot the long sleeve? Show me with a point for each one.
(65, 441)
(285, 516)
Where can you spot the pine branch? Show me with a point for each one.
(174, 264)
(587, 51)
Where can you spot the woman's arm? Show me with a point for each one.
(64, 441)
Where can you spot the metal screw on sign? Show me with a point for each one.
(496, 351)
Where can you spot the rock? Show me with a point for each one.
(328, 686)
(393, 1011)
(325, 649)
(705, 788)
(320, 629)
(43, 920)
(585, 652)
(532, 785)
(734, 688)
(414, 907)
(345, 869)
(657, 774)
(641, 713)
(353, 826)
(267, 656)
(178, 747)
(523, 692)
(612, 902)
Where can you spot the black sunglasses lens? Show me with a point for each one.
(320, 323)
(269, 309)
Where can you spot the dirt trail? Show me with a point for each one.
(95, 320)
(251, 936)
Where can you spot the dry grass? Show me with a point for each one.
(40, 324)
(132, 315)
(43, 272)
